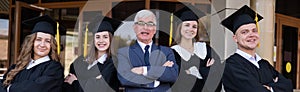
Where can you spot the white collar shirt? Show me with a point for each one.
(253, 59)
(101, 60)
(33, 63)
(143, 45)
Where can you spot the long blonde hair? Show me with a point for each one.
(26, 54)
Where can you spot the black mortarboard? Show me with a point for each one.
(188, 13)
(244, 15)
(107, 24)
(43, 24)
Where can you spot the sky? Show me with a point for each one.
(3, 27)
(125, 31)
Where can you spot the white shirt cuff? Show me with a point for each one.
(272, 89)
(8, 88)
(156, 83)
(145, 71)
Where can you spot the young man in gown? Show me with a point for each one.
(245, 70)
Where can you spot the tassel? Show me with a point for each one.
(257, 26)
(57, 38)
(171, 29)
(85, 41)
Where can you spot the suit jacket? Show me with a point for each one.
(133, 56)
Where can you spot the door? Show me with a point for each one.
(288, 49)
(17, 33)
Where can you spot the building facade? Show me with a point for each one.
(279, 33)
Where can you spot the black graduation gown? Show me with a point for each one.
(240, 75)
(204, 71)
(87, 78)
(44, 77)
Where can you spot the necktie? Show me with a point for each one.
(146, 55)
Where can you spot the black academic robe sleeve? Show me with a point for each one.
(108, 72)
(9, 69)
(178, 59)
(213, 81)
(237, 78)
(114, 81)
(205, 72)
(203, 69)
(2, 88)
(283, 84)
(242, 76)
(50, 80)
(75, 86)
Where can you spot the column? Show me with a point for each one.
(266, 8)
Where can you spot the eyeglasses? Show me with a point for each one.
(141, 23)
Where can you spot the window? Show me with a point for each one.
(4, 45)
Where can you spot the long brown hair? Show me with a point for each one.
(93, 55)
(26, 54)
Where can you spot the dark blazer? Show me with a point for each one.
(240, 75)
(133, 56)
(87, 78)
(44, 77)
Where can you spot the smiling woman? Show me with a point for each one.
(96, 71)
(41, 45)
(38, 64)
(195, 58)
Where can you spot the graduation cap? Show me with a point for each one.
(189, 13)
(43, 24)
(47, 25)
(244, 15)
(107, 24)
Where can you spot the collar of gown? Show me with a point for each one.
(33, 63)
(199, 49)
(253, 59)
(100, 60)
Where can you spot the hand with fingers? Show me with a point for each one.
(210, 62)
(168, 64)
(70, 78)
(138, 70)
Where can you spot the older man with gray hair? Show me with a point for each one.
(145, 66)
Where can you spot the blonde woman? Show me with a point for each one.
(38, 68)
